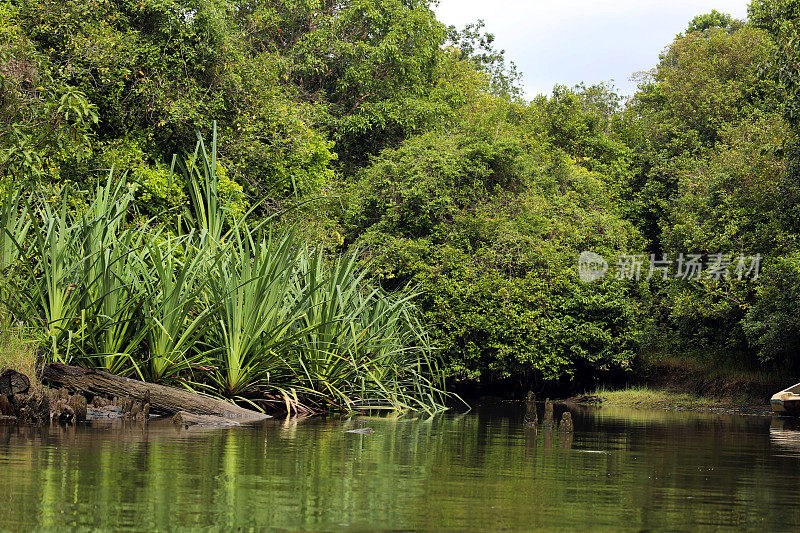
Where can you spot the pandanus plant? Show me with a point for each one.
(56, 275)
(14, 228)
(109, 316)
(252, 323)
(15, 225)
(360, 347)
(175, 309)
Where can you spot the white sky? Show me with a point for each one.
(569, 41)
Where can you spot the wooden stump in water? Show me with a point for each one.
(6, 408)
(66, 407)
(98, 402)
(31, 407)
(531, 417)
(566, 425)
(78, 404)
(12, 382)
(547, 420)
(63, 412)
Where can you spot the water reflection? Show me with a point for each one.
(480, 470)
(784, 434)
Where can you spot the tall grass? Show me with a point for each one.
(229, 307)
(17, 352)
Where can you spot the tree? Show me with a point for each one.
(781, 18)
(486, 218)
(703, 84)
(711, 178)
(715, 19)
(158, 70)
(41, 117)
(477, 46)
(371, 63)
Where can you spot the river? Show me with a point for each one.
(621, 469)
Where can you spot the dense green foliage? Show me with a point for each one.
(713, 175)
(715, 19)
(781, 18)
(404, 147)
(487, 219)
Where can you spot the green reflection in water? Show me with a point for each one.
(622, 469)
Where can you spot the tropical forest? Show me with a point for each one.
(348, 208)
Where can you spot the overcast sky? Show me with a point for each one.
(569, 41)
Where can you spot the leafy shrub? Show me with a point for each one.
(488, 228)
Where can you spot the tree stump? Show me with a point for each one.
(6, 408)
(31, 407)
(531, 417)
(78, 404)
(12, 382)
(566, 425)
(547, 420)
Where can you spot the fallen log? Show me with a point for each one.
(162, 399)
(12, 382)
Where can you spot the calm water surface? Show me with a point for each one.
(622, 469)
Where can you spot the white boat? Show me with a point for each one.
(787, 401)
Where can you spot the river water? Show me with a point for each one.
(622, 469)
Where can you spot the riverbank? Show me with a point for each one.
(682, 383)
(643, 397)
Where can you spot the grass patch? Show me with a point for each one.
(645, 397)
(20, 355)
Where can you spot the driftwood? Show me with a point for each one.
(12, 382)
(162, 399)
(185, 420)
